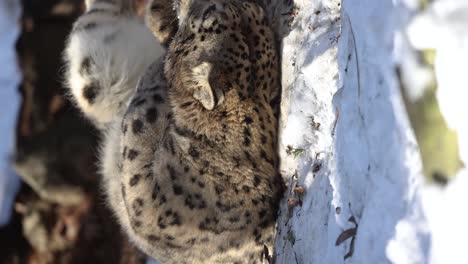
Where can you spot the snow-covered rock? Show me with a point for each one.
(360, 164)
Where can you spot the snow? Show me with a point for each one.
(370, 166)
(9, 100)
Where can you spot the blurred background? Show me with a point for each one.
(56, 214)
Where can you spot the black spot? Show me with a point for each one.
(234, 219)
(137, 126)
(135, 179)
(191, 241)
(122, 190)
(158, 99)
(132, 154)
(265, 223)
(169, 145)
(124, 152)
(177, 189)
(151, 115)
(264, 156)
(186, 104)
(219, 189)
(136, 223)
(193, 152)
(257, 180)
(90, 26)
(90, 92)
(262, 213)
(248, 120)
(246, 188)
(153, 238)
(160, 223)
(202, 226)
(248, 157)
(221, 249)
(258, 54)
(156, 190)
(223, 207)
(257, 235)
(149, 175)
(163, 200)
(85, 66)
(139, 202)
(176, 220)
(237, 161)
(246, 134)
(256, 40)
(263, 138)
(171, 245)
(188, 39)
(247, 214)
(189, 203)
(172, 173)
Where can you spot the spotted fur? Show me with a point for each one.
(189, 160)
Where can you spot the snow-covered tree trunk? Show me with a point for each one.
(345, 136)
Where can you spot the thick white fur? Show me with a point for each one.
(111, 156)
(111, 182)
(116, 65)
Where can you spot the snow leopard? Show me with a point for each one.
(188, 155)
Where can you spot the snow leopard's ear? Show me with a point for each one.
(205, 92)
